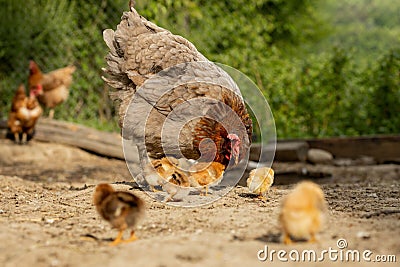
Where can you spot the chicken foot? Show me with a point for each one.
(118, 239)
(131, 238)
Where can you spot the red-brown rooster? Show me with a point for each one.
(52, 88)
(139, 50)
(25, 111)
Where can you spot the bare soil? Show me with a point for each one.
(47, 217)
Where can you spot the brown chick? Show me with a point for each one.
(25, 111)
(302, 212)
(53, 87)
(260, 180)
(121, 209)
(204, 174)
(176, 185)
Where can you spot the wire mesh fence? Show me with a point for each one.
(56, 34)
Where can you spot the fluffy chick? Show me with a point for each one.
(167, 173)
(176, 185)
(156, 171)
(121, 209)
(260, 180)
(204, 174)
(302, 212)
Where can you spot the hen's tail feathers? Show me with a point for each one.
(131, 26)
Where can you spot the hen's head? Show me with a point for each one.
(234, 147)
(35, 79)
(36, 90)
(33, 68)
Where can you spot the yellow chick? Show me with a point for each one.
(302, 213)
(204, 174)
(121, 209)
(260, 180)
(159, 170)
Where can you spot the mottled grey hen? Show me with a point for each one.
(171, 97)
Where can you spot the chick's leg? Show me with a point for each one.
(287, 240)
(16, 138)
(262, 197)
(312, 239)
(155, 190)
(118, 239)
(169, 198)
(131, 238)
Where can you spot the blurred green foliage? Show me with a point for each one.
(327, 68)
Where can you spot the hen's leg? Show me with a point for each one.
(16, 138)
(51, 113)
(24, 138)
(118, 239)
(131, 238)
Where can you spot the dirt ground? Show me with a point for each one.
(47, 218)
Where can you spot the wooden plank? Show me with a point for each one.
(384, 148)
(102, 143)
(285, 151)
(381, 148)
(67, 133)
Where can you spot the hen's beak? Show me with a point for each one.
(235, 147)
(235, 154)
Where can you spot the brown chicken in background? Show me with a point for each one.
(25, 111)
(121, 209)
(139, 50)
(303, 212)
(51, 88)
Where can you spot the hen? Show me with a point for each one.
(25, 111)
(140, 51)
(302, 212)
(121, 209)
(52, 88)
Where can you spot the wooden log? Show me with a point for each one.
(92, 140)
(381, 148)
(3, 129)
(285, 151)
